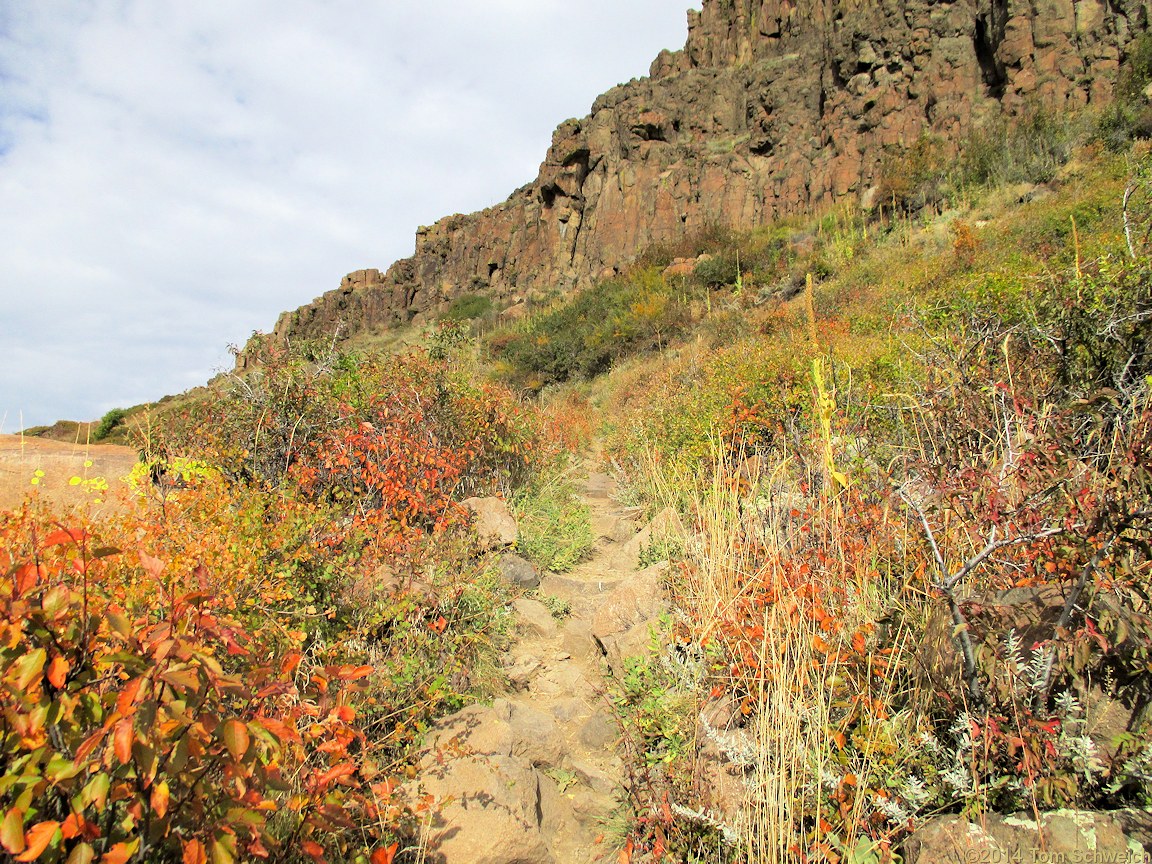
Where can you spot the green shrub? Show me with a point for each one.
(1029, 149)
(582, 336)
(468, 306)
(108, 423)
(555, 531)
(1130, 115)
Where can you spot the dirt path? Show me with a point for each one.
(534, 778)
(21, 458)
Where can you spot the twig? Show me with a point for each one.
(1127, 223)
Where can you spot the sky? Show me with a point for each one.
(176, 173)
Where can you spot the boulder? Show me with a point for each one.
(1064, 835)
(518, 571)
(493, 522)
(636, 600)
(489, 811)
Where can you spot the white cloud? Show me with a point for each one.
(173, 175)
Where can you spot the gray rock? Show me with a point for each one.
(519, 571)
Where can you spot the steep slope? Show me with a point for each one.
(773, 106)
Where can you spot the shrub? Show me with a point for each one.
(1130, 114)
(144, 721)
(108, 423)
(468, 306)
(555, 528)
(583, 335)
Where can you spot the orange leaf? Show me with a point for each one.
(118, 854)
(37, 840)
(439, 625)
(122, 740)
(73, 826)
(152, 566)
(350, 673)
(235, 737)
(125, 702)
(840, 740)
(819, 644)
(291, 662)
(858, 642)
(58, 672)
(313, 850)
(159, 799)
(335, 773)
(385, 856)
(194, 853)
(626, 853)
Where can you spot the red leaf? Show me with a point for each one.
(66, 535)
(385, 856)
(37, 840)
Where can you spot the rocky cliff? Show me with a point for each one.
(772, 106)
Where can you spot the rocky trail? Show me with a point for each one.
(535, 777)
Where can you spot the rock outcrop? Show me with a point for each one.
(772, 107)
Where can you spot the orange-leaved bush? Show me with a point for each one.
(139, 724)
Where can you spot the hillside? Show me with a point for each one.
(814, 527)
(772, 108)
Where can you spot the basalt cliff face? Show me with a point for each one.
(772, 107)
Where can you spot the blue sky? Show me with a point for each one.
(175, 174)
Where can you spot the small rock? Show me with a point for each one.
(519, 571)
(520, 673)
(1067, 836)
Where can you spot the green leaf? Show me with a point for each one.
(60, 769)
(222, 851)
(29, 668)
(12, 831)
(96, 792)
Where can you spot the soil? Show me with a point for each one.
(21, 457)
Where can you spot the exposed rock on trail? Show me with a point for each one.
(534, 777)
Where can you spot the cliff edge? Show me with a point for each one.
(772, 107)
